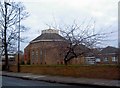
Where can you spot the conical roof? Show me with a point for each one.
(49, 37)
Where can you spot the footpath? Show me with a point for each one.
(65, 80)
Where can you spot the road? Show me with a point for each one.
(9, 81)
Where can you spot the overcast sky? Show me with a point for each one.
(53, 12)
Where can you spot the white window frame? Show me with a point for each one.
(98, 60)
(106, 59)
(114, 59)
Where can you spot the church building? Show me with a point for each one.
(46, 48)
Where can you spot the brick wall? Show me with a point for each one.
(48, 52)
(97, 71)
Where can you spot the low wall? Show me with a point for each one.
(100, 72)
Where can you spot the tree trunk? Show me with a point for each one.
(65, 61)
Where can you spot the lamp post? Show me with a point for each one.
(5, 34)
(18, 64)
(5, 43)
(119, 32)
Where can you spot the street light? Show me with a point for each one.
(119, 32)
(5, 42)
(18, 64)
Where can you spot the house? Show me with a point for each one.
(46, 48)
(21, 57)
(81, 52)
(90, 57)
(11, 58)
(108, 55)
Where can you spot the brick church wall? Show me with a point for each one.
(47, 52)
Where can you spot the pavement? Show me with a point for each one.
(65, 80)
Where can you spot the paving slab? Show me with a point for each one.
(65, 80)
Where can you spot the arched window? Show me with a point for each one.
(32, 57)
(36, 56)
(41, 55)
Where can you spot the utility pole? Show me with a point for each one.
(5, 39)
(5, 43)
(18, 64)
(119, 32)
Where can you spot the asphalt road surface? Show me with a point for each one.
(17, 82)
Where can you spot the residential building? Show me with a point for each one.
(108, 55)
(21, 58)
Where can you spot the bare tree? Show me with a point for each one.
(82, 39)
(9, 19)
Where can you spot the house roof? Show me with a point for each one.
(49, 37)
(109, 49)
